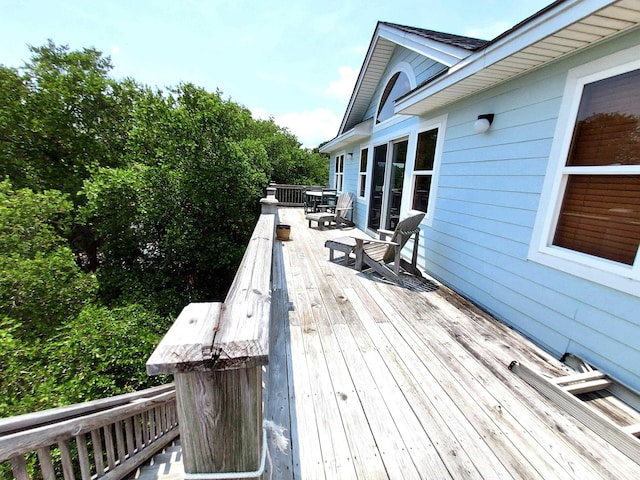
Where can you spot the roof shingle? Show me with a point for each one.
(467, 43)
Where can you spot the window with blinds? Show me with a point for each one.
(600, 212)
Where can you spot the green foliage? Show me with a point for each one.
(174, 229)
(121, 205)
(291, 164)
(40, 283)
(62, 118)
(97, 354)
(103, 350)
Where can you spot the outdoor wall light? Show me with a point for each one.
(483, 123)
(349, 156)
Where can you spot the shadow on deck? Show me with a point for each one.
(375, 381)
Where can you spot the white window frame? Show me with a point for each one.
(439, 123)
(606, 272)
(405, 68)
(362, 175)
(338, 175)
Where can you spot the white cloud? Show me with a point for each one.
(311, 127)
(343, 87)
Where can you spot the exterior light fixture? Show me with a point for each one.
(483, 123)
(349, 156)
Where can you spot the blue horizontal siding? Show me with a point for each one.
(488, 196)
(487, 202)
(508, 215)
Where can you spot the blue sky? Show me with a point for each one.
(293, 60)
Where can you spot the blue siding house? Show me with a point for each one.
(524, 152)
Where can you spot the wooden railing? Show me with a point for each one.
(107, 438)
(292, 195)
(215, 352)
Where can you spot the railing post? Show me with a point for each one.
(215, 353)
(220, 414)
(270, 202)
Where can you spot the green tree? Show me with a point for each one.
(40, 283)
(154, 193)
(290, 163)
(173, 226)
(41, 288)
(61, 117)
(101, 353)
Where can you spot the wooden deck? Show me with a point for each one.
(376, 381)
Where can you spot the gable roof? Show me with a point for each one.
(558, 30)
(442, 47)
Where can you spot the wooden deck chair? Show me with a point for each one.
(342, 209)
(383, 255)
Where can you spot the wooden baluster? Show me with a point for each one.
(109, 446)
(83, 457)
(19, 468)
(46, 464)
(67, 462)
(137, 427)
(96, 441)
(165, 418)
(152, 425)
(122, 454)
(128, 430)
(158, 417)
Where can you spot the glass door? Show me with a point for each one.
(387, 179)
(396, 181)
(377, 186)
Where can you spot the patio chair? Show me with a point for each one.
(382, 255)
(343, 208)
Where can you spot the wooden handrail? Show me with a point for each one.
(37, 419)
(126, 430)
(216, 351)
(234, 334)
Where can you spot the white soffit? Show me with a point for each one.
(558, 32)
(371, 73)
(360, 132)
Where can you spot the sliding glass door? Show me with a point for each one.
(377, 186)
(387, 180)
(396, 180)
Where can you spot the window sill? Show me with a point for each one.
(609, 274)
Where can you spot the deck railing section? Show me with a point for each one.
(292, 195)
(112, 436)
(215, 352)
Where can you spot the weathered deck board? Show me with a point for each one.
(386, 382)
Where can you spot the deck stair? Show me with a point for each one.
(166, 465)
(601, 403)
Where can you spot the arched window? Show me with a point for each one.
(398, 85)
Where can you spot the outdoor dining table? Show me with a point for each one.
(317, 198)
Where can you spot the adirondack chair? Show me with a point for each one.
(341, 210)
(383, 256)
